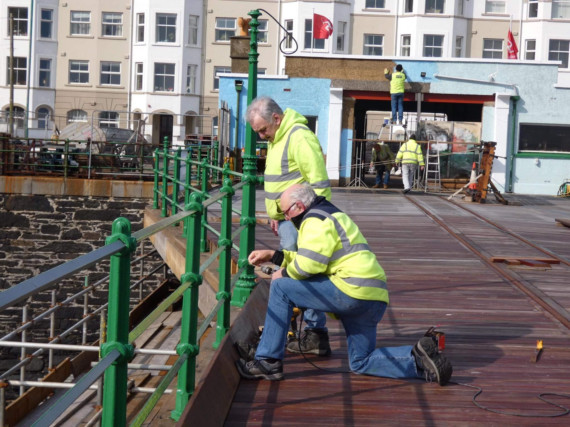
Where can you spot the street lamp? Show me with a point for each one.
(238, 85)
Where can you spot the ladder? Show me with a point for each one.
(432, 174)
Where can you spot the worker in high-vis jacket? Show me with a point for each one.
(397, 89)
(410, 156)
(294, 156)
(334, 271)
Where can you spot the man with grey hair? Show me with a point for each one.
(334, 271)
(294, 156)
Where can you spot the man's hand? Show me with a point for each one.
(275, 226)
(277, 274)
(260, 256)
(385, 71)
(421, 168)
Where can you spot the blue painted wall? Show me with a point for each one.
(540, 103)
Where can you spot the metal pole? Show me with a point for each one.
(115, 387)
(29, 77)
(246, 282)
(52, 328)
(11, 78)
(23, 349)
(85, 310)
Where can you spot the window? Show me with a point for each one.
(193, 30)
(225, 28)
(112, 25)
(460, 7)
(164, 77)
(458, 47)
(18, 115)
(108, 119)
(78, 71)
(493, 48)
(289, 40)
(74, 116)
(435, 6)
(219, 70)
(262, 31)
(530, 50)
(558, 51)
(46, 23)
(80, 23)
(409, 6)
(20, 17)
(139, 76)
(532, 8)
(373, 44)
(166, 28)
(140, 28)
(560, 9)
(45, 73)
(42, 115)
(550, 138)
(433, 46)
(340, 36)
(375, 4)
(20, 70)
(110, 73)
(405, 49)
(310, 42)
(494, 6)
(191, 72)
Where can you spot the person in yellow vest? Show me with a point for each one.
(334, 271)
(410, 156)
(382, 160)
(397, 82)
(294, 156)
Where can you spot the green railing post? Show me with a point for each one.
(189, 323)
(187, 184)
(156, 173)
(115, 381)
(175, 185)
(65, 157)
(246, 282)
(225, 241)
(164, 211)
(204, 188)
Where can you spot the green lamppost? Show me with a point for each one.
(246, 282)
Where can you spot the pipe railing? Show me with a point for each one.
(191, 174)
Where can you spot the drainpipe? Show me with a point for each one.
(520, 30)
(31, 32)
(396, 28)
(278, 56)
(511, 156)
(130, 88)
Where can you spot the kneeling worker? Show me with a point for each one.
(334, 271)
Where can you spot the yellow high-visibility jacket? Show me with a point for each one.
(397, 82)
(330, 243)
(294, 157)
(410, 152)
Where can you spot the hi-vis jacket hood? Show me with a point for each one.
(294, 157)
(330, 243)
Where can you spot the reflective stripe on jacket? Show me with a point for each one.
(293, 157)
(410, 152)
(330, 243)
(397, 82)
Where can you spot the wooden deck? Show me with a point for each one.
(492, 315)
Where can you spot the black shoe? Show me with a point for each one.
(406, 191)
(312, 341)
(435, 366)
(260, 369)
(246, 350)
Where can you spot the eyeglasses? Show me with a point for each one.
(286, 212)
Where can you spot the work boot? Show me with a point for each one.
(312, 341)
(434, 366)
(246, 350)
(262, 369)
(385, 186)
(376, 186)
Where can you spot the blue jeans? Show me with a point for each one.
(288, 241)
(398, 103)
(382, 170)
(359, 318)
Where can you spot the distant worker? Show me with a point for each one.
(410, 156)
(294, 156)
(397, 81)
(382, 160)
(334, 271)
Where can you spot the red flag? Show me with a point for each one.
(512, 50)
(322, 27)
